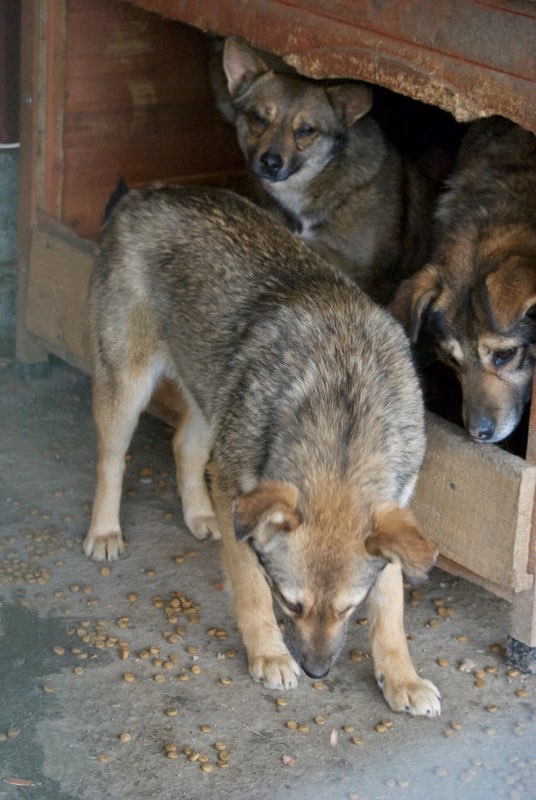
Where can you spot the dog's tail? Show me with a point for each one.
(120, 191)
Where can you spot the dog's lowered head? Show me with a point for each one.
(321, 555)
(476, 302)
(484, 328)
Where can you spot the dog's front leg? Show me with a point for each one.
(270, 662)
(393, 667)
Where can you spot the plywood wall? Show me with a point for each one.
(127, 94)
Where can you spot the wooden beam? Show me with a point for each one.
(28, 349)
(56, 307)
(466, 56)
(476, 502)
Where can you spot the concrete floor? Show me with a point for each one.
(61, 731)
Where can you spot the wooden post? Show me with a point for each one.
(28, 348)
(522, 640)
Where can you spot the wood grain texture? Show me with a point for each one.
(30, 181)
(56, 309)
(137, 103)
(469, 57)
(476, 502)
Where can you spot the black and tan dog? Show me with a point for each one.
(337, 181)
(303, 393)
(476, 300)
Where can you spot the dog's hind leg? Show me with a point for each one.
(393, 667)
(117, 405)
(191, 448)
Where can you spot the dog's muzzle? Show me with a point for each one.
(481, 429)
(271, 167)
(315, 671)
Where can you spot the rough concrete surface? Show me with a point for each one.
(60, 731)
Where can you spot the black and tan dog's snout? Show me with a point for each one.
(491, 408)
(479, 426)
(272, 165)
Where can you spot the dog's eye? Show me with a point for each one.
(256, 120)
(345, 611)
(303, 131)
(294, 608)
(501, 357)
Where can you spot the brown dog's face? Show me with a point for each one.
(485, 331)
(288, 128)
(322, 561)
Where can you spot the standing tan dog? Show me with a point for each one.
(476, 300)
(336, 180)
(303, 394)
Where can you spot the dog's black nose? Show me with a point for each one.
(485, 430)
(315, 672)
(271, 162)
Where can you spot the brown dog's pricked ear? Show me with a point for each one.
(397, 537)
(511, 291)
(350, 101)
(242, 65)
(265, 511)
(413, 297)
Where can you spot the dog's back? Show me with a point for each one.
(216, 292)
(493, 187)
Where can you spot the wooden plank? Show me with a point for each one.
(56, 309)
(468, 57)
(531, 458)
(54, 98)
(462, 572)
(476, 501)
(138, 103)
(524, 617)
(28, 349)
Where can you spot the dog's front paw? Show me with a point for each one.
(415, 695)
(104, 547)
(275, 672)
(203, 525)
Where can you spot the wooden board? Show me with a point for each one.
(127, 93)
(469, 57)
(56, 309)
(476, 502)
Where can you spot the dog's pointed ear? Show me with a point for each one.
(269, 509)
(351, 101)
(413, 297)
(241, 65)
(397, 537)
(511, 291)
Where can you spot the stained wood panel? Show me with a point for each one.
(469, 57)
(476, 501)
(56, 308)
(132, 98)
